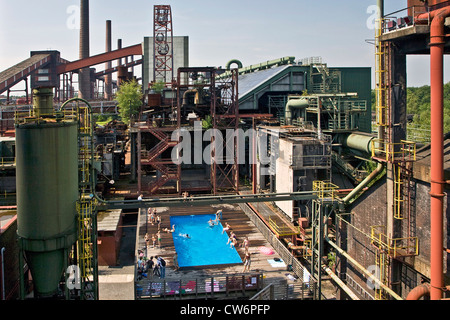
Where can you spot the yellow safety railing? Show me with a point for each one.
(7, 161)
(283, 230)
(382, 262)
(33, 115)
(397, 247)
(403, 151)
(308, 249)
(398, 192)
(85, 252)
(325, 189)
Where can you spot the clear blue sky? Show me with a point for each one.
(249, 30)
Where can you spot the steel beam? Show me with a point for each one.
(205, 200)
(100, 58)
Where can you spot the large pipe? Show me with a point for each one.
(363, 183)
(298, 102)
(347, 290)
(437, 42)
(358, 141)
(419, 292)
(364, 270)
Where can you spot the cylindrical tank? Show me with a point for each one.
(43, 101)
(47, 191)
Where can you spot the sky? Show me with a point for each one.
(252, 31)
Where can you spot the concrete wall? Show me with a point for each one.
(180, 58)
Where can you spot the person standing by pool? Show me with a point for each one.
(151, 213)
(150, 264)
(247, 262)
(158, 235)
(158, 221)
(153, 240)
(246, 244)
(156, 269)
(162, 267)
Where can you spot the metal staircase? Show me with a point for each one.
(167, 169)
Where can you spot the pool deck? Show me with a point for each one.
(240, 225)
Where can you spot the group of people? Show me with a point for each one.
(232, 239)
(149, 267)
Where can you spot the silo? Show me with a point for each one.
(47, 191)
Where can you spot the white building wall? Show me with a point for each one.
(180, 58)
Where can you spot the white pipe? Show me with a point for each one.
(364, 270)
(340, 283)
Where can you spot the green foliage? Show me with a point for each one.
(418, 104)
(129, 98)
(158, 86)
(207, 122)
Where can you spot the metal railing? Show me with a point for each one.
(7, 161)
(203, 287)
(312, 161)
(406, 17)
(284, 253)
(397, 247)
(402, 151)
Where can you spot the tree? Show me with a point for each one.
(129, 98)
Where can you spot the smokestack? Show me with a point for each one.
(84, 75)
(108, 65)
(119, 46)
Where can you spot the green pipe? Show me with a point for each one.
(229, 63)
(363, 183)
(358, 141)
(364, 270)
(299, 102)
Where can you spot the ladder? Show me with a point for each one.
(87, 226)
(382, 78)
(86, 205)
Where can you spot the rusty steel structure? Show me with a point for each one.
(162, 43)
(196, 88)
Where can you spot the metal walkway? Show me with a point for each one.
(20, 71)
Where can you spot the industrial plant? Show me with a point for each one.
(289, 179)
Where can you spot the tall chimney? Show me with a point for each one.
(108, 65)
(119, 46)
(84, 75)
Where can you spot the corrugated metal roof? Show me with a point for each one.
(250, 81)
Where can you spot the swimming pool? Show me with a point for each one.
(205, 246)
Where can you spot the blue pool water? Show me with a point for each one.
(206, 245)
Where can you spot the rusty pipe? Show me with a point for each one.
(437, 145)
(419, 292)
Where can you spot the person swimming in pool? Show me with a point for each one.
(185, 235)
